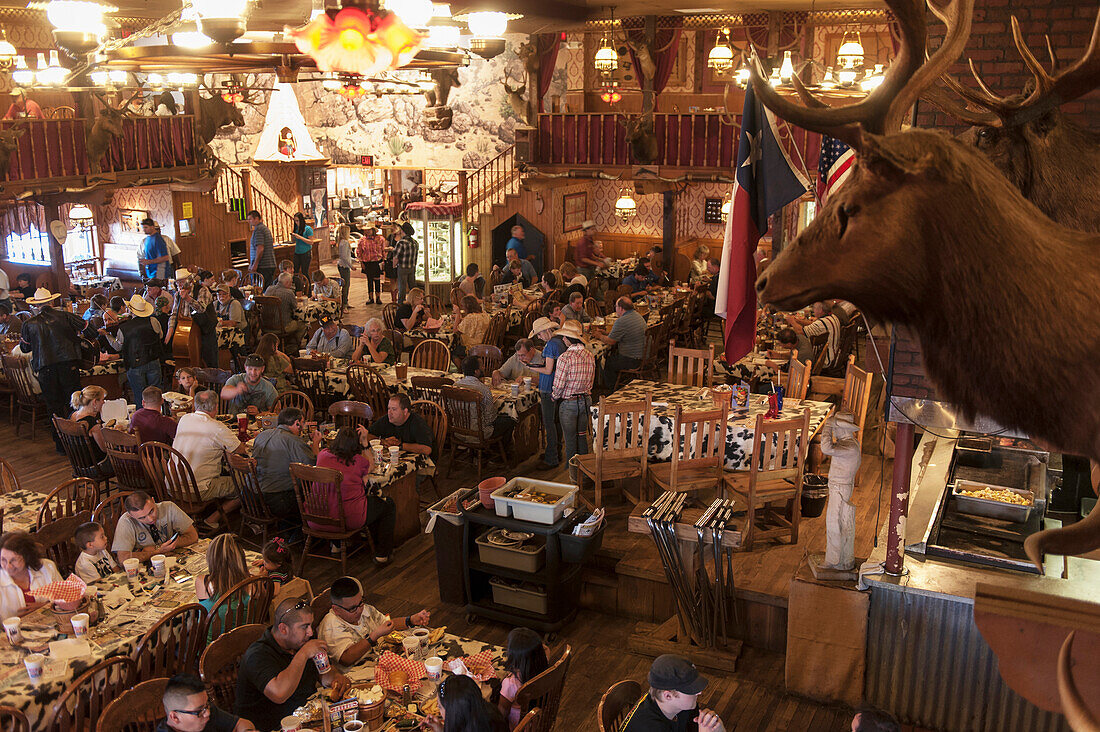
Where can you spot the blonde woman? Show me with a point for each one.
(226, 566)
(699, 263)
(88, 403)
(343, 260)
(414, 313)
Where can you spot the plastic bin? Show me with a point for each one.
(447, 534)
(577, 549)
(525, 510)
(815, 494)
(526, 558)
(522, 598)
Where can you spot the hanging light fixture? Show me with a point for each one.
(607, 58)
(488, 24)
(846, 77)
(222, 20)
(80, 214)
(360, 42)
(182, 78)
(829, 82)
(22, 75)
(78, 24)
(626, 207)
(743, 75)
(443, 33)
(7, 51)
(611, 93)
(317, 9)
(850, 53)
(54, 74)
(873, 80)
(786, 69)
(720, 58)
(413, 13)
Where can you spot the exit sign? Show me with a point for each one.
(366, 160)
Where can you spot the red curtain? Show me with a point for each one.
(547, 45)
(666, 44)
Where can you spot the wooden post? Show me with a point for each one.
(899, 499)
(462, 194)
(246, 177)
(52, 209)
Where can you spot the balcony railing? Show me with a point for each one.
(57, 148)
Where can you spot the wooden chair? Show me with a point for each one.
(456, 296)
(529, 722)
(434, 303)
(389, 315)
(320, 607)
(698, 452)
(221, 660)
(498, 325)
(398, 341)
(309, 378)
(429, 388)
(254, 511)
(544, 692)
(488, 356)
(172, 645)
(212, 378)
(624, 427)
(648, 366)
(138, 709)
(366, 385)
(253, 279)
(689, 366)
(9, 481)
(74, 496)
(26, 400)
(318, 492)
(270, 318)
(351, 414)
(170, 472)
(591, 307)
(857, 395)
(122, 450)
(77, 442)
(616, 703)
(13, 720)
(798, 379)
(774, 476)
(247, 602)
(464, 419)
(108, 512)
(83, 701)
(56, 537)
(297, 399)
(431, 354)
(436, 417)
(302, 284)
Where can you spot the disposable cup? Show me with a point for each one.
(434, 667)
(158, 561)
(412, 646)
(353, 726)
(131, 565)
(515, 390)
(80, 624)
(527, 383)
(320, 659)
(422, 634)
(395, 455)
(34, 663)
(291, 724)
(11, 627)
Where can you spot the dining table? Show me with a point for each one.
(20, 509)
(132, 606)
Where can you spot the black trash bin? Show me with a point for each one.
(447, 534)
(815, 494)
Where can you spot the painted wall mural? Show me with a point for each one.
(391, 127)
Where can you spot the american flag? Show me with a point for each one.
(834, 166)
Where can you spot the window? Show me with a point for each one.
(34, 246)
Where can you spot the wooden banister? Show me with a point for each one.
(491, 183)
(235, 191)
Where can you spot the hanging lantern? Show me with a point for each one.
(80, 214)
(7, 51)
(487, 24)
(54, 74)
(720, 58)
(850, 53)
(786, 69)
(626, 207)
(607, 59)
(78, 24)
(222, 20)
(22, 75)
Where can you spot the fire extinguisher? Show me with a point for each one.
(472, 238)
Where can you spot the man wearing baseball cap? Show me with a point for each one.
(672, 701)
(330, 338)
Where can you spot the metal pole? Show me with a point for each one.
(899, 500)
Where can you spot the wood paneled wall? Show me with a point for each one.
(213, 229)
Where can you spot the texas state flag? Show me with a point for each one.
(766, 182)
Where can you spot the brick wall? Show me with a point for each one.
(1069, 25)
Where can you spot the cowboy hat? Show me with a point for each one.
(182, 274)
(588, 224)
(139, 306)
(42, 296)
(579, 280)
(540, 325)
(571, 329)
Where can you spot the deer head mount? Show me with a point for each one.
(1050, 158)
(929, 234)
(106, 126)
(641, 135)
(516, 100)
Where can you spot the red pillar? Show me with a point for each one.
(899, 499)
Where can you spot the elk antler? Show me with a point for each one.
(1073, 706)
(910, 73)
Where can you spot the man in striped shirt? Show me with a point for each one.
(825, 326)
(574, 372)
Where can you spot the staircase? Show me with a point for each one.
(492, 186)
(233, 189)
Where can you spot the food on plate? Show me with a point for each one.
(999, 494)
(398, 677)
(436, 634)
(430, 707)
(539, 497)
(373, 695)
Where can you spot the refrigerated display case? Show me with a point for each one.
(438, 229)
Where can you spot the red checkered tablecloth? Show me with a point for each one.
(68, 590)
(390, 662)
(480, 665)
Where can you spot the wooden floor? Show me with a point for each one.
(752, 698)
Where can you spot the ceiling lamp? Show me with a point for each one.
(232, 95)
(607, 60)
(829, 82)
(358, 42)
(611, 95)
(191, 39)
(443, 34)
(80, 214)
(626, 207)
(178, 78)
(720, 58)
(78, 24)
(487, 47)
(155, 80)
(873, 80)
(413, 13)
(7, 51)
(846, 77)
(850, 53)
(22, 75)
(318, 9)
(487, 24)
(54, 74)
(351, 90)
(222, 20)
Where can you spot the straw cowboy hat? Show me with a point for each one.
(42, 296)
(540, 325)
(845, 422)
(571, 329)
(139, 306)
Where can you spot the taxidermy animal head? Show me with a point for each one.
(641, 136)
(515, 100)
(215, 113)
(1049, 157)
(106, 126)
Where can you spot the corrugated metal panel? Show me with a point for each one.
(928, 664)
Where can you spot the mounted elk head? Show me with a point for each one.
(106, 126)
(1045, 154)
(215, 113)
(929, 234)
(641, 135)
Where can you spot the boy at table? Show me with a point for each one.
(188, 707)
(277, 673)
(94, 562)
(401, 427)
(147, 528)
(351, 628)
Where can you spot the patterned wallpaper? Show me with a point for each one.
(689, 206)
(156, 200)
(649, 219)
(279, 182)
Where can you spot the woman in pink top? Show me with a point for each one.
(361, 509)
(370, 254)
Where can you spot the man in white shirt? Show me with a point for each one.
(351, 628)
(201, 438)
(5, 286)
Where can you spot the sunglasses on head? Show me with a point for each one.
(300, 605)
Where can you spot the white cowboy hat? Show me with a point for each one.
(588, 224)
(42, 296)
(579, 280)
(182, 274)
(139, 306)
(571, 329)
(540, 325)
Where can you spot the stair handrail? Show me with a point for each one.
(232, 184)
(491, 183)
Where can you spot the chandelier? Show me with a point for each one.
(720, 58)
(607, 58)
(626, 207)
(362, 42)
(80, 215)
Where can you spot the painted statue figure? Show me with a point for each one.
(838, 441)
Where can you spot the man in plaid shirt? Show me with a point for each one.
(574, 372)
(405, 250)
